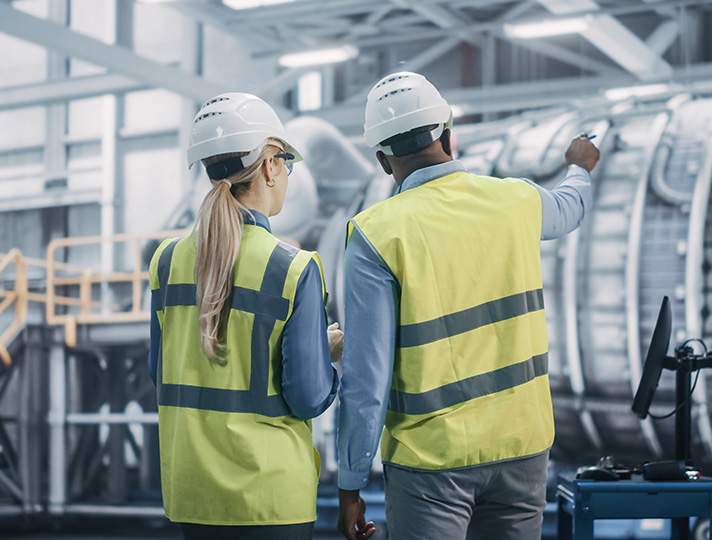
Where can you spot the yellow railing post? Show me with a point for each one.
(85, 293)
(73, 276)
(19, 296)
(20, 288)
(50, 312)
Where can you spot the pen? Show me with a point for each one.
(591, 137)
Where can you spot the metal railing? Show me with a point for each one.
(77, 285)
(17, 296)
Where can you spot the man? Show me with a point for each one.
(446, 336)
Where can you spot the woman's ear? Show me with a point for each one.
(270, 168)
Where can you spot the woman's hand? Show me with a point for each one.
(336, 341)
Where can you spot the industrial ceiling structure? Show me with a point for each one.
(481, 53)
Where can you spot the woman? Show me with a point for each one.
(239, 344)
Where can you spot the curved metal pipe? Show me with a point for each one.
(694, 282)
(632, 273)
(657, 173)
(573, 348)
(338, 158)
(504, 165)
(541, 168)
(571, 302)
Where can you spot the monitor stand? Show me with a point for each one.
(684, 363)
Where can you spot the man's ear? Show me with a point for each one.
(385, 165)
(445, 142)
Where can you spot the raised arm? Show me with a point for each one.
(565, 206)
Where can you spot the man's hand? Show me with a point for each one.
(336, 341)
(352, 516)
(582, 152)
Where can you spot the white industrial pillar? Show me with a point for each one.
(191, 62)
(56, 418)
(55, 156)
(109, 129)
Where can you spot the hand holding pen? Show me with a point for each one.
(582, 152)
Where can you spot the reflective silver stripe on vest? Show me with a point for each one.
(164, 271)
(413, 335)
(223, 400)
(470, 388)
(249, 300)
(268, 306)
(272, 285)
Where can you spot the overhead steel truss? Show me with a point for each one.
(615, 47)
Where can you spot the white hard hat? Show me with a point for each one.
(401, 102)
(235, 122)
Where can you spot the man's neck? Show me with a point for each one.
(404, 170)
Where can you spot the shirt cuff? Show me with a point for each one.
(573, 168)
(351, 480)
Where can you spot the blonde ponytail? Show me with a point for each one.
(218, 231)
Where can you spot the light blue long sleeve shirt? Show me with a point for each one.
(309, 380)
(371, 301)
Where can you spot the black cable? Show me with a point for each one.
(698, 341)
(681, 405)
(692, 390)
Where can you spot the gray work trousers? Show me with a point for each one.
(498, 501)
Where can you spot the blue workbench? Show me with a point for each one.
(580, 502)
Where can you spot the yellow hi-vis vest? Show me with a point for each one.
(231, 451)
(470, 380)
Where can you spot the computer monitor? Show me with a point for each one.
(654, 360)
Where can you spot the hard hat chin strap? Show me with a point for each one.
(228, 167)
(414, 143)
(225, 168)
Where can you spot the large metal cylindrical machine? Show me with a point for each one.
(649, 234)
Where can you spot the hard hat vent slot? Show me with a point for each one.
(391, 79)
(399, 91)
(207, 115)
(215, 100)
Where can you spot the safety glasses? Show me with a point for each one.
(288, 163)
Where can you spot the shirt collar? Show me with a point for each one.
(426, 174)
(257, 218)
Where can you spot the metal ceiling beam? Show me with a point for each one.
(116, 59)
(305, 8)
(283, 82)
(561, 54)
(400, 25)
(305, 11)
(49, 92)
(615, 40)
(440, 17)
(416, 63)
(530, 95)
(661, 7)
(662, 38)
(225, 19)
(549, 49)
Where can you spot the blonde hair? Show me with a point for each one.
(218, 231)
